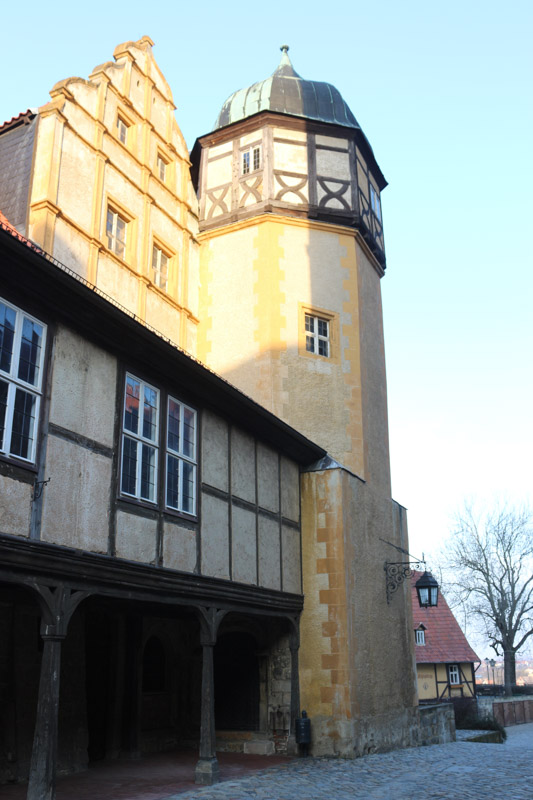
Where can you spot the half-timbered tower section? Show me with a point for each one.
(150, 540)
(292, 255)
(99, 177)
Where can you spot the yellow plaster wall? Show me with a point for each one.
(273, 265)
(373, 375)
(430, 688)
(357, 671)
(80, 166)
(427, 686)
(324, 665)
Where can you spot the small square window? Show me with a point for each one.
(251, 160)
(160, 267)
(122, 129)
(317, 335)
(116, 231)
(161, 168)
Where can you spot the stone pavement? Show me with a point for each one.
(461, 770)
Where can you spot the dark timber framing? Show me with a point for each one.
(354, 197)
(59, 577)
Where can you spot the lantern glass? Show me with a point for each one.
(428, 590)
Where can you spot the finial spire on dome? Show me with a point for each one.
(285, 67)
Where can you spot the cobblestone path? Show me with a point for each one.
(458, 771)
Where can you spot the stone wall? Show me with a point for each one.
(437, 724)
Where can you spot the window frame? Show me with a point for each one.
(454, 671)
(332, 318)
(317, 338)
(249, 153)
(163, 451)
(181, 456)
(16, 384)
(112, 240)
(156, 272)
(375, 202)
(140, 441)
(111, 206)
(161, 161)
(420, 637)
(122, 126)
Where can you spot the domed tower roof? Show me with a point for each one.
(286, 92)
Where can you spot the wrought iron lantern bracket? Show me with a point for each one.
(396, 572)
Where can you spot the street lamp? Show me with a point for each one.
(493, 664)
(427, 590)
(487, 662)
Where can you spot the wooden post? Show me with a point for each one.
(207, 771)
(58, 603)
(294, 644)
(41, 784)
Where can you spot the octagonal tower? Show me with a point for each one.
(291, 258)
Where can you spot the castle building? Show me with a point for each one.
(292, 255)
(194, 467)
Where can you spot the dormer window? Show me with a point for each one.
(420, 635)
(251, 160)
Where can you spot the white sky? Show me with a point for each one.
(443, 92)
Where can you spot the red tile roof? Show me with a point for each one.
(18, 120)
(7, 226)
(445, 641)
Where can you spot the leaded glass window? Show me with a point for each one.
(22, 340)
(140, 440)
(145, 434)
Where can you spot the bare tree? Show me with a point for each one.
(490, 557)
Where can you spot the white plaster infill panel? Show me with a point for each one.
(291, 157)
(269, 553)
(332, 164)
(179, 548)
(243, 546)
(219, 172)
(215, 470)
(332, 141)
(15, 506)
(290, 490)
(267, 478)
(83, 388)
(290, 561)
(76, 501)
(243, 466)
(136, 537)
(215, 537)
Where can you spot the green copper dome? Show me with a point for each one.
(287, 93)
